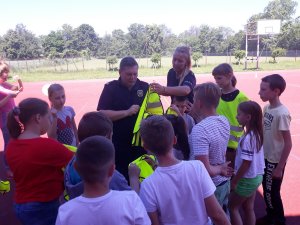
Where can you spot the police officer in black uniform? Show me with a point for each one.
(120, 101)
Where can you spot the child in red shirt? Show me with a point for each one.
(36, 163)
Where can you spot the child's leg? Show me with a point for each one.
(6, 137)
(277, 201)
(248, 208)
(235, 201)
(272, 194)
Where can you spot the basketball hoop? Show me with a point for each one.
(264, 27)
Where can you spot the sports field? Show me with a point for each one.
(83, 96)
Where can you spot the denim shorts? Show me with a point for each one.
(247, 186)
(37, 213)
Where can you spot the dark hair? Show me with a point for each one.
(54, 87)
(20, 116)
(179, 99)
(225, 69)
(93, 158)
(255, 125)
(4, 67)
(209, 94)
(181, 133)
(94, 123)
(128, 62)
(157, 134)
(275, 81)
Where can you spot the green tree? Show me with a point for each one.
(111, 61)
(156, 60)
(21, 44)
(289, 38)
(277, 52)
(280, 9)
(68, 36)
(119, 44)
(86, 37)
(239, 54)
(136, 39)
(153, 40)
(54, 40)
(196, 56)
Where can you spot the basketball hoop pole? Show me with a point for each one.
(246, 48)
(257, 52)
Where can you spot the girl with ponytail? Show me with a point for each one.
(36, 163)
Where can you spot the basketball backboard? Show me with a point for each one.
(265, 27)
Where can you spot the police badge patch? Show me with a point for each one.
(140, 93)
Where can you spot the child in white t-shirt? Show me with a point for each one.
(249, 163)
(95, 162)
(178, 192)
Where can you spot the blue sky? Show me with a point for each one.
(42, 16)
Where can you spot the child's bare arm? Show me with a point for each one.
(222, 169)
(18, 87)
(134, 173)
(53, 127)
(6, 98)
(239, 174)
(277, 172)
(154, 218)
(75, 131)
(215, 211)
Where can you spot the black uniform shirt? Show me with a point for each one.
(115, 96)
(189, 80)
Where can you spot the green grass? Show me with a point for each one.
(44, 70)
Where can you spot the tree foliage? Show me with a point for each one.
(148, 40)
(21, 44)
(277, 52)
(196, 56)
(239, 54)
(111, 61)
(156, 60)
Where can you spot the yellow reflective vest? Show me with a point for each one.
(171, 111)
(151, 106)
(147, 165)
(229, 110)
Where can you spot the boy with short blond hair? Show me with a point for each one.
(178, 192)
(277, 145)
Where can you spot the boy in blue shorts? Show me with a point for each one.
(277, 145)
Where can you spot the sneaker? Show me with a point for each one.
(4, 186)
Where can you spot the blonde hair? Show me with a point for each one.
(209, 93)
(186, 51)
(4, 67)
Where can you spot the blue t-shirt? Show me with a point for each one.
(74, 184)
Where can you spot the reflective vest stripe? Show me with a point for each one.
(229, 110)
(234, 138)
(151, 106)
(236, 128)
(154, 105)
